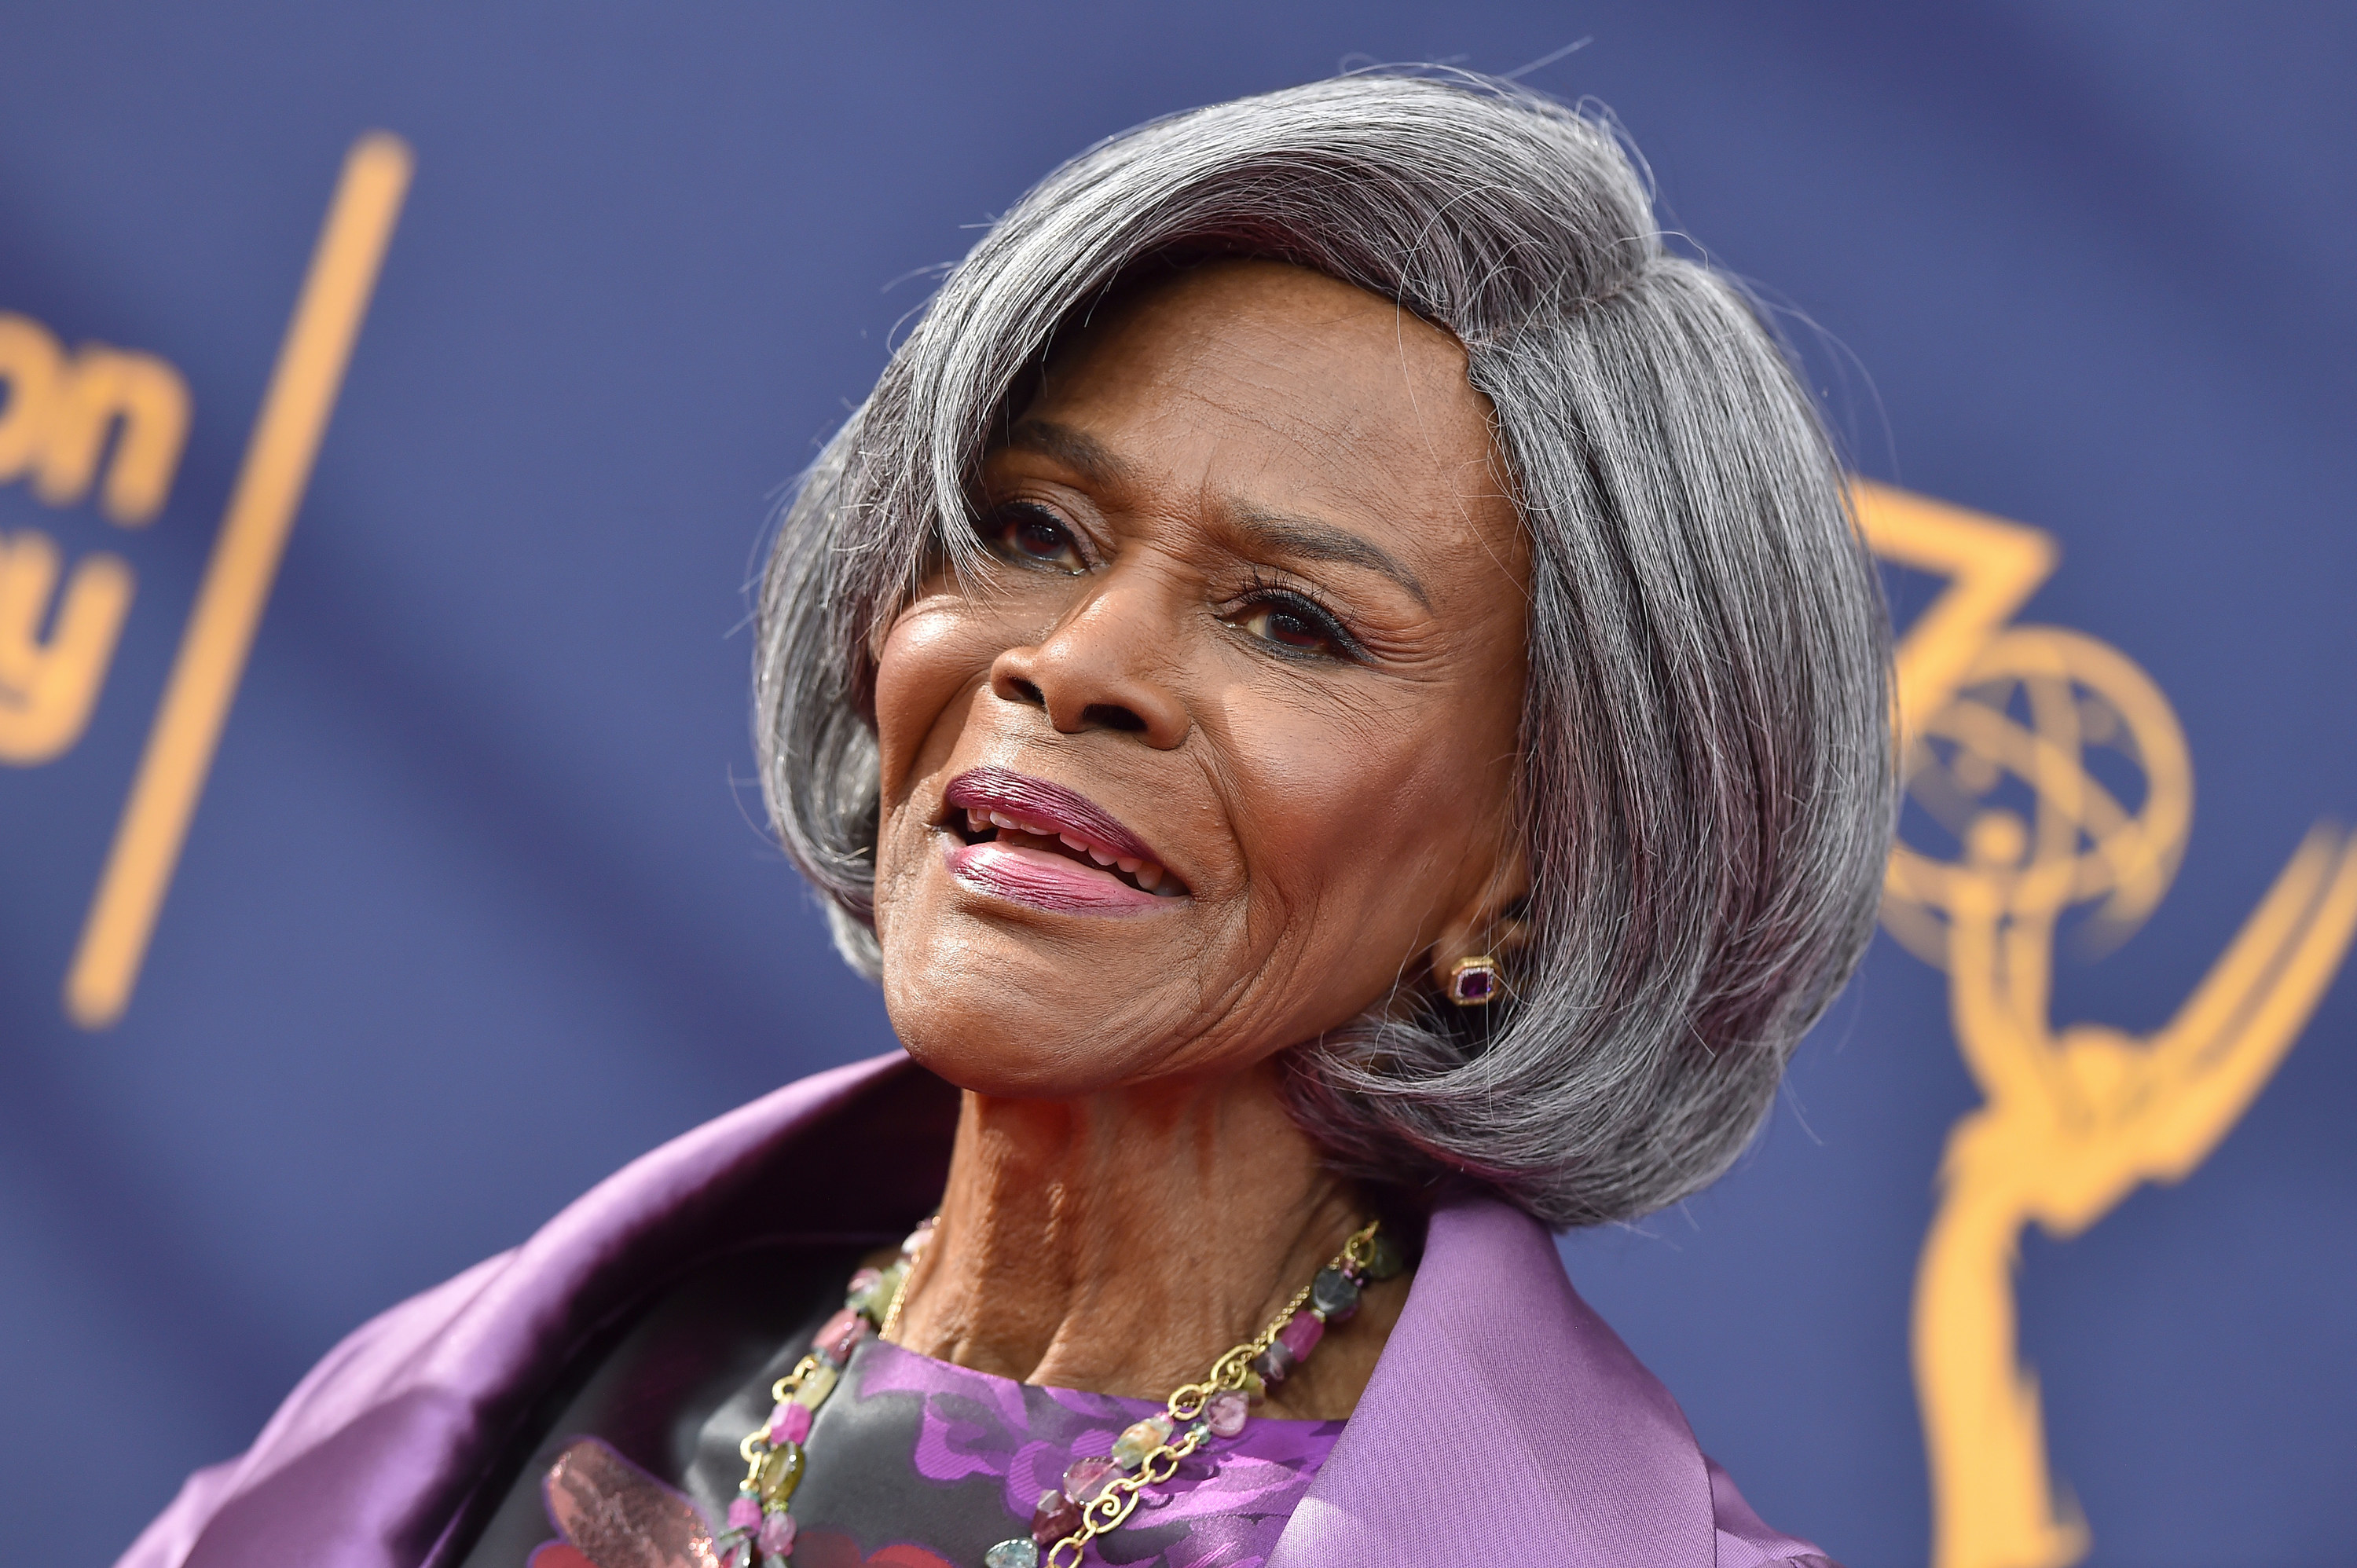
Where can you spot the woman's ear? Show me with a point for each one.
(1494, 924)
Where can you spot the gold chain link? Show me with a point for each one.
(1109, 1507)
(908, 1285)
(780, 1392)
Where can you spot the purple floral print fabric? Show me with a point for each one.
(1224, 1508)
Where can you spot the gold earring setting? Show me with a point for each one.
(1475, 981)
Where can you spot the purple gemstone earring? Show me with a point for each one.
(1475, 981)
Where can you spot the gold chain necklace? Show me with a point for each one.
(1100, 1492)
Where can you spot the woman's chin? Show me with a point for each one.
(989, 1058)
(1014, 1013)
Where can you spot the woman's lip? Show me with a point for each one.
(1046, 880)
(1050, 805)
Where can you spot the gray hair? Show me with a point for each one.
(1707, 788)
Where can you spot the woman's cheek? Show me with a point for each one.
(933, 653)
(1373, 826)
(1317, 802)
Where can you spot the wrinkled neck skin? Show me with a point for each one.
(1120, 1243)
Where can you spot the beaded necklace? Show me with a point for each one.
(1099, 1492)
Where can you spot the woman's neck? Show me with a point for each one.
(1119, 1243)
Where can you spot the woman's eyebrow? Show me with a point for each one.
(1086, 456)
(1308, 537)
(1277, 533)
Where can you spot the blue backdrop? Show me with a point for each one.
(476, 904)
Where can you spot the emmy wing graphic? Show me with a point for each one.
(2058, 780)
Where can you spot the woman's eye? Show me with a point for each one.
(1296, 624)
(1031, 536)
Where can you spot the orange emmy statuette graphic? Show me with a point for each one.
(2058, 776)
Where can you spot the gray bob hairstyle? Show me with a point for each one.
(1707, 788)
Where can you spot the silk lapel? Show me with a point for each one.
(1506, 1424)
(368, 1461)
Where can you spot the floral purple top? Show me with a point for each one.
(916, 1463)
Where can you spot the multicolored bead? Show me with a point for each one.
(1020, 1553)
(874, 1302)
(860, 1293)
(817, 1383)
(781, 1473)
(1301, 1333)
(1130, 1449)
(1335, 1293)
(1056, 1517)
(789, 1422)
(1086, 1480)
(1275, 1362)
(839, 1335)
(1226, 1412)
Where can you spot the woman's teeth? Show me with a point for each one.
(1147, 873)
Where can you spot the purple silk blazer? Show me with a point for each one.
(1505, 1424)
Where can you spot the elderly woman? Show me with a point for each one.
(1332, 683)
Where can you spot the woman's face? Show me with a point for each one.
(1221, 745)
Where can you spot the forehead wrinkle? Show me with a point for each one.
(1405, 323)
(1314, 538)
(1236, 376)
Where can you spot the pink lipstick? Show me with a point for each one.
(1052, 848)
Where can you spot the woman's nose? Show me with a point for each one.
(1105, 665)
